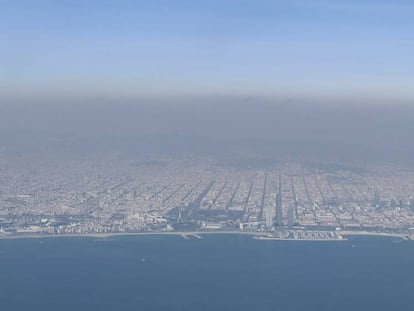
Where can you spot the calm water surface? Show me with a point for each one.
(219, 272)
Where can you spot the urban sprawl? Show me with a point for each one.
(41, 196)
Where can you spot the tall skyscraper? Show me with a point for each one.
(376, 200)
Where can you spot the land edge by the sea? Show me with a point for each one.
(259, 235)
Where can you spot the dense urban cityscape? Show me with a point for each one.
(40, 196)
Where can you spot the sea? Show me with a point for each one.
(217, 272)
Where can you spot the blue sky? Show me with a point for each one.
(288, 48)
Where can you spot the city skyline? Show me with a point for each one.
(206, 155)
(111, 195)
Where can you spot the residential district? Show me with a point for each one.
(46, 196)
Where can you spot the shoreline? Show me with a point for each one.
(266, 238)
(195, 233)
(368, 233)
(115, 234)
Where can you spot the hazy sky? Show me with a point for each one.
(303, 48)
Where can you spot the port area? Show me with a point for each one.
(302, 235)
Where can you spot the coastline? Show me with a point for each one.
(115, 234)
(195, 234)
(266, 238)
(368, 233)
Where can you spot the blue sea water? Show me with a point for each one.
(218, 272)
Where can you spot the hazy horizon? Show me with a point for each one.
(214, 126)
(279, 49)
(321, 80)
